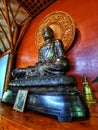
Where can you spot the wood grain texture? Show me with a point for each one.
(31, 120)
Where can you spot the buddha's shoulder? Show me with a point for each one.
(43, 47)
(57, 41)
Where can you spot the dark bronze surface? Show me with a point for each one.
(50, 90)
(67, 106)
(44, 81)
(51, 59)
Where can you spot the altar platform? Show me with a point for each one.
(31, 120)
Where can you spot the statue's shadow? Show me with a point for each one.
(76, 42)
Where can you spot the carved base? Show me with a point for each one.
(67, 107)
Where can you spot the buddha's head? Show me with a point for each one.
(47, 33)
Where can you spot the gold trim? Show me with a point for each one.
(62, 25)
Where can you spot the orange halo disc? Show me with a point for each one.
(63, 26)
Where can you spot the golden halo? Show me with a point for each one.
(63, 26)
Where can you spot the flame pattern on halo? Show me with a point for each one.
(63, 26)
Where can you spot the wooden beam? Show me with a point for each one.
(4, 47)
(4, 53)
(8, 21)
(22, 32)
(5, 35)
(2, 14)
(14, 16)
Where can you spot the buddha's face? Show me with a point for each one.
(47, 33)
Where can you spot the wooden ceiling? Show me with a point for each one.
(15, 16)
(34, 7)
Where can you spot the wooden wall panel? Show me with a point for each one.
(83, 55)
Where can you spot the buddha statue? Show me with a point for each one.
(51, 58)
(50, 89)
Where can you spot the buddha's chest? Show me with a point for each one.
(47, 51)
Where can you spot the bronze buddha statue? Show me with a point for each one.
(51, 58)
(51, 91)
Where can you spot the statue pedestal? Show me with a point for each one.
(67, 107)
(63, 101)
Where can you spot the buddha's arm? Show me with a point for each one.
(59, 48)
(40, 57)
